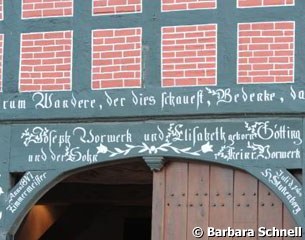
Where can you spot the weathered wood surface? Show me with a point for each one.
(245, 202)
(176, 201)
(229, 198)
(158, 206)
(270, 212)
(221, 198)
(242, 142)
(198, 197)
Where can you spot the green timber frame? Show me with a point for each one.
(47, 136)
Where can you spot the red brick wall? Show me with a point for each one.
(189, 55)
(266, 52)
(1, 59)
(1, 9)
(117, 58)
(264, 3)
(46, 61)
(177, 5)
(47, 8)
(116, 6)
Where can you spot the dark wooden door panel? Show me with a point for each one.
(245, 202)
(198, 198)
(221, 197)
(288, 223)
(270, 210)
(176, 201)
(188, 195)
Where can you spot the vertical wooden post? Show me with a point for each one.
(176, 201)
(5, 181)
(303, 179)
(4, 235)
(158, 204)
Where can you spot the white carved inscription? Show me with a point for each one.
(287, 186)
(202, 99)
(262, 132)
(255, 140)
(23, 190)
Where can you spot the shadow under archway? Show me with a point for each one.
(109, 201)
(117, 176)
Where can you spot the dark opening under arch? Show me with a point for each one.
(183, 195)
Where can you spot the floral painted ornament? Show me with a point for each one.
(166, 147)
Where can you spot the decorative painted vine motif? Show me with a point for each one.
(215, 141)
(144, 148)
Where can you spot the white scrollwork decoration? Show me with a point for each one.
(152, 149)
(36, 136)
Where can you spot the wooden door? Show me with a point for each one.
(187, 195)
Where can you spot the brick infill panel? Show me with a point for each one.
(46, 8)
(266, 52)
(105, 7)
(117, 56)
(46, 61)
(264, 3)
(181, 5)
(189, 55)
(1, 10)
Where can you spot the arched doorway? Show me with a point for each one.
(106, 202)
(120, 201)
